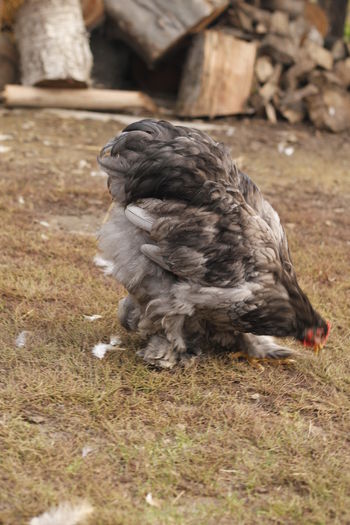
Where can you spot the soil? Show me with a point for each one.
(305, 173)
(218, 443)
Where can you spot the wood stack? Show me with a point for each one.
(295, 75)
(213, 55)
(218, 71)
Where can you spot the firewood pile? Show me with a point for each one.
(296, 76)
(200, 58)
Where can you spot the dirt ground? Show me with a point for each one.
(218, 443)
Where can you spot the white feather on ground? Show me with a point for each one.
(64, 514)
(107, 266)
(86, 451)
(101, 349)
(92, 318)
(152, 501)
(21, 339)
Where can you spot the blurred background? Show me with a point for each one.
(276, 59)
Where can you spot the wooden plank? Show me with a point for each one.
(94, 99)
(152, 28)
(217, 76)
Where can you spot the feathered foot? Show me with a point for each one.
(129, 313)
(261, 349)
(160, 353)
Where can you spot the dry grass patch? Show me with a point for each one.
(218, 443)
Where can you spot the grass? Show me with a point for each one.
(219, 443)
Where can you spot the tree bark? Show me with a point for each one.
(53, 43)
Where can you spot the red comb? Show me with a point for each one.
(308, 341)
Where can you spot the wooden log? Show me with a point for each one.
(244, 20)
(297, 73)
(153, 28)
(93, 99)
(92, 11)
(269, 90)
(217, 76)
(263, 69)
(294, 113)
(322, 78)
(298, 29)
(342, 70)
(293, 97)
(270, 113)
(281, 49)
(261, 29)
(320, 55)
(330, 109)
(53, 43)
(279, 23)
(339, 50)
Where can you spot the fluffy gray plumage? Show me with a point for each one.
(202, 254)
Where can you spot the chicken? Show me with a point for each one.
(202, 254)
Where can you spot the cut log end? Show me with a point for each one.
(217, 76)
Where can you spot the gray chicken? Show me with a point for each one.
(202, 254)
